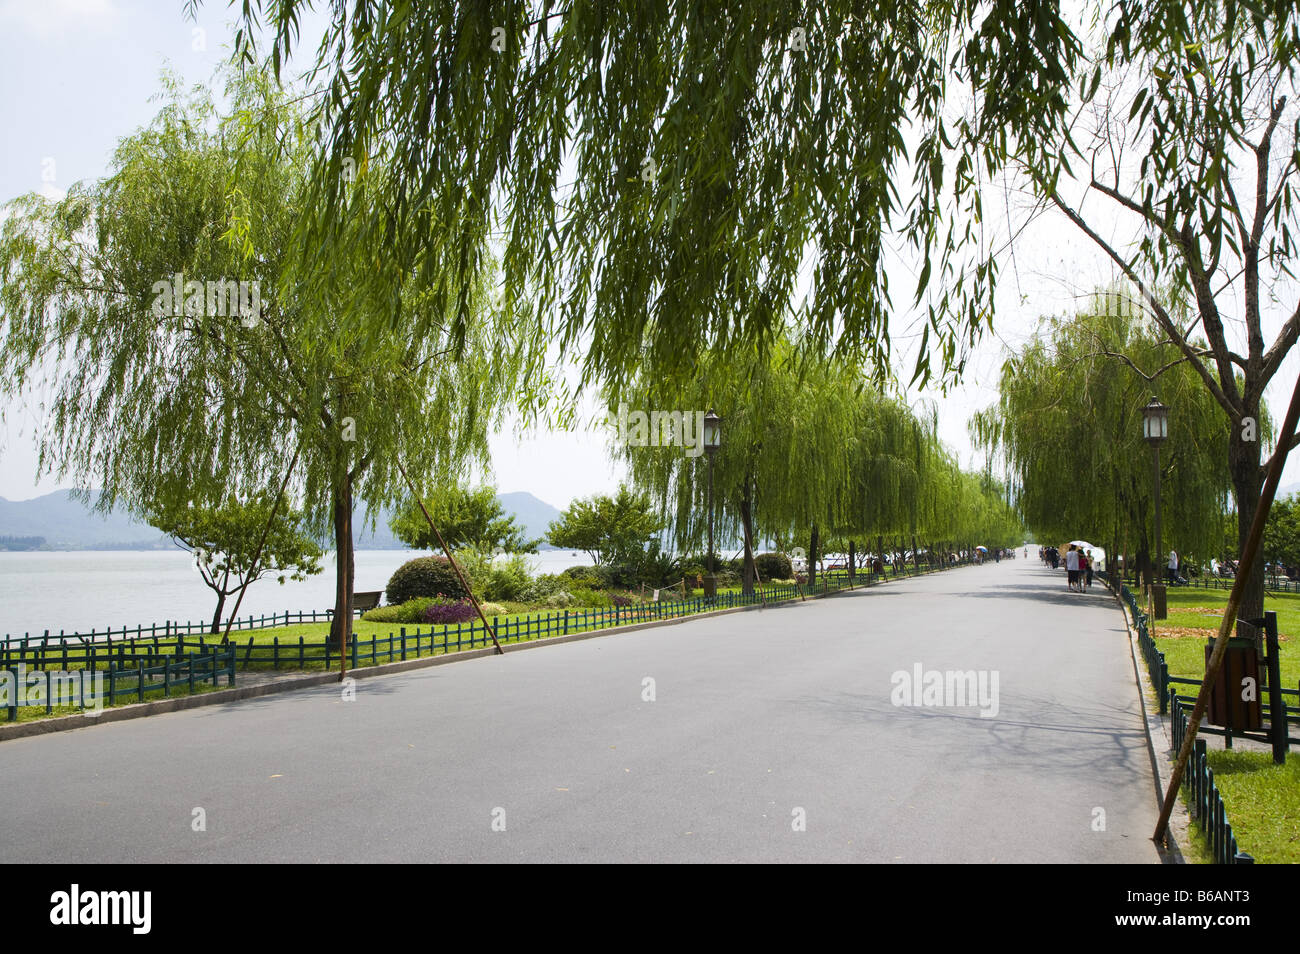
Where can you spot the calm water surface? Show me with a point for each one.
(78, 590)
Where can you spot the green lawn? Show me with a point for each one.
(1195, 615)
(1262, 801)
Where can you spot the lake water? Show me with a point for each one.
(78, 590)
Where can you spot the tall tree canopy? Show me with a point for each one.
(1068, 425)
(1180, 167)
(810, 450)
(162, 392)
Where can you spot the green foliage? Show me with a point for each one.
(616, 529)
(465, 517)
(773, 566)
(149, 399)
(224, 538)
(424, 576)
(1069, 424)
(410, 611)
(645, 166)
(507, 580)
(1282, 532)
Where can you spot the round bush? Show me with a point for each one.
(424, 576)
(773, 566)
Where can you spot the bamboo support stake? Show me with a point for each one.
(257, 554)
(447, 550)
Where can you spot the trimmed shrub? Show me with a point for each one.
(494, 609)
(412, 611)
(773, 566)
(424, 576)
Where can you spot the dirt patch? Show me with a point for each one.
(1184, 632)
(1195, 632)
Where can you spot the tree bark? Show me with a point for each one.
(216, 617)
(748, 572)
(1247, 484)
(344, 570)
(812, 558)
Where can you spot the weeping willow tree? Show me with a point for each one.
(810, 452)
(1068, 425)
(788, 419)
(163, 389)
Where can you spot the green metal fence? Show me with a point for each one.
(1202, 794)
(170, 628)
(1198, 781)
(128, 676)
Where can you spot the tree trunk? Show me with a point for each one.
(916, 555)
(852, 560)
(1247, 483)
(216, 617)
(812, 557)
(344, 570)
(748, 572)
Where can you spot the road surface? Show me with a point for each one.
(772, 736)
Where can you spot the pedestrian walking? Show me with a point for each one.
(1072, 567)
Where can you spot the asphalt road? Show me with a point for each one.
(760, 721)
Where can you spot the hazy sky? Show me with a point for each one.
(78, 75)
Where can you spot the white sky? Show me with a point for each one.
(78, 75)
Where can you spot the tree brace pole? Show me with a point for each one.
(447, 550)
(257, 554)
(1248, 556)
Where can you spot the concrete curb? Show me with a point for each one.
(139, 710)
(1159, 748)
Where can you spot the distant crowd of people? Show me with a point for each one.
(1078, 565)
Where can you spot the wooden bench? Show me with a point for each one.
(366, 601)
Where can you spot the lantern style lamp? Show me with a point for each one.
(1155, 422)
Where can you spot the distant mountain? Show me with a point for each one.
(533, 515)
(68, 524)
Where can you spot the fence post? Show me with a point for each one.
(1276, 704)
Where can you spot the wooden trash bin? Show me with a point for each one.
(1227, 707)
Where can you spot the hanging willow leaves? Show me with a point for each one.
(642, 167)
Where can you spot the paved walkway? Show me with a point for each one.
(760, 720)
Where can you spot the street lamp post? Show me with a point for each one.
(1155, 429)
(712, 441)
